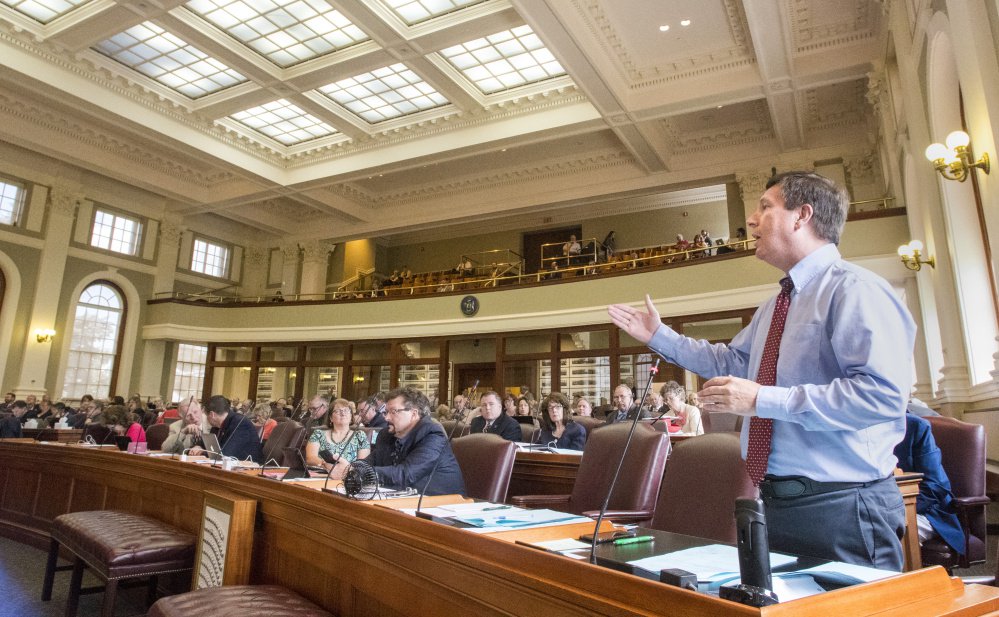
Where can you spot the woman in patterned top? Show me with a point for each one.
(343, 443)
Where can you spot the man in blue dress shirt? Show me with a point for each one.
(843, 376)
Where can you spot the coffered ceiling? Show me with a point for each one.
(339, 119)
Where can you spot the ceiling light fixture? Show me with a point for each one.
(685, 23)
(664, 28)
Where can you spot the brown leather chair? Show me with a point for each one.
(589, 423)
(244, 600)
(283, 435)
(453, 430)
(156, 435)
(486, 462)
(704, 477)
(637, 486)
(529, 432)
(962, 453)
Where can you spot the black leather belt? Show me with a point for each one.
(786, 487)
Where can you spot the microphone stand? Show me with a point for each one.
(653, 371)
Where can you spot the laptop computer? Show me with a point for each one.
(213, 449)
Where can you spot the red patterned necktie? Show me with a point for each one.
(761, 430)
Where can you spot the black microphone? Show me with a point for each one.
(653, 371)
(754, 557)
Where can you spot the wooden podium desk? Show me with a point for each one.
(62, 435)
(358, 560)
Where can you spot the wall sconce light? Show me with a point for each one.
(955, 160)
(910, 254)
(44, 336)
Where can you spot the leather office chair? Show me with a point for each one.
(156, 435)
(721, 422)
(704, 476)
(486, 462)
(589, 423)
(454, 431)
(281, 437)
(529, 432)
(637, 486)
(962, 452)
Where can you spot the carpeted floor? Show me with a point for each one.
(22, 568)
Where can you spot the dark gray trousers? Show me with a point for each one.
(863, 526)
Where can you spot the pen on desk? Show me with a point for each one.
(635, 540)
(496, 508)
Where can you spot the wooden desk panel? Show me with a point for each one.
(61, 435)
(356, 559)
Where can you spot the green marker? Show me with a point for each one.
(635, 540)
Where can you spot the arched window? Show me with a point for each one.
(96, 342)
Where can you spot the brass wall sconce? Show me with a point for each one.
(44, 336)
(911, 256)
(955, 160)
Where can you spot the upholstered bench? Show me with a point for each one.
(116, 546)
(238, 601)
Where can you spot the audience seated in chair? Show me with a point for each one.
(557, 427)
(235, 432)
(491, 419)
(343, 444)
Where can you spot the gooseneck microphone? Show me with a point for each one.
(430, 477)
(653, 371)
(754, 557)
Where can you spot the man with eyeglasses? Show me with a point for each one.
(318, 407)
(404, 457)
(624, 405)
(491, 419)
(372, 413)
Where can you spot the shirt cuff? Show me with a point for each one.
(771, 402)
(663, 340)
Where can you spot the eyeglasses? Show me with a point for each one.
(554, 406)
(396, 412)
(317, 408)
(342, 412)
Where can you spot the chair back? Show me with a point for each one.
(589, 423)
(486, 462)
(704, 476)
(962, 454)
(721, 422)
(156, 435)
(528, 433)
(453, 431)
(641, 475)
(281, 438)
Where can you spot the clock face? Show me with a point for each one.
(469, 306)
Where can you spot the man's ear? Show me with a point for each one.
(805, 212)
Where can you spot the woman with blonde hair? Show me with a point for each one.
(261, 418)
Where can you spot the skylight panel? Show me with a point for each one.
(284, 121)
(385, 93)
(416, 11)
(162, 56)
(286, 32)
(43, 11)
(504, 60)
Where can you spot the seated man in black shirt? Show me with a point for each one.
(11, 425)
(491, 419)
(405, 454)
(236, 434)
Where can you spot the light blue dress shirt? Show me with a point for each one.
(844, 372)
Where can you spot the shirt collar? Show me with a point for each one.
(813, 264)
